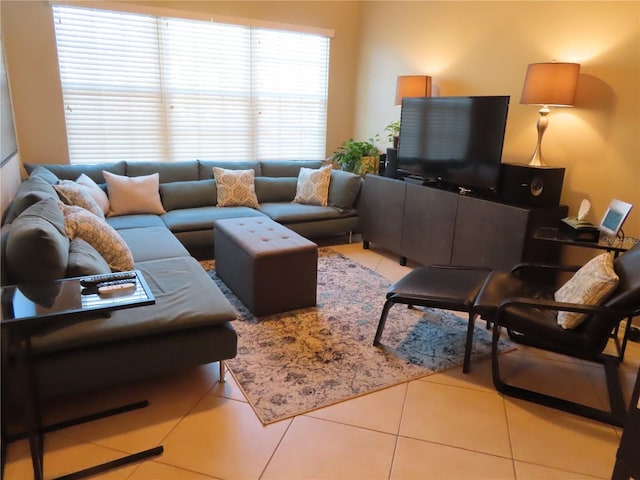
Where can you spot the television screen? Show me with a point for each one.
(453, 140)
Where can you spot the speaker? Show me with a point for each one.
(391, 167)
(531, 186)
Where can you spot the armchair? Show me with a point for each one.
(527, 309)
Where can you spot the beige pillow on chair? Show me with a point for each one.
(130, 195)
(590, 285)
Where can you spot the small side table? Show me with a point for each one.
(615, 244)
(26, 308)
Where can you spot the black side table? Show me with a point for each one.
(26, 308)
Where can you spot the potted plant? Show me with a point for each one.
(393, 133)
(358, 157)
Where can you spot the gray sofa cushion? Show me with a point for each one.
(276, 189)
(197, 193)
(30, 192)
(205, 169)
(280, 168)
(5, 278)
(185, 298)
(193, 219)
(37, 244)
(135, 221)
(165, 244)
(343, 189)
(168, 172)
(72, 172)
(46, 174)
(85, 260)
(296, 212)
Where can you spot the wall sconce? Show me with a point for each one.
(412, 86)
(549, 84)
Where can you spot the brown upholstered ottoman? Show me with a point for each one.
(269, 267)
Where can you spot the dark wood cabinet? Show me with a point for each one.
(428, 224)
(381, 208)
(433, 226)
(489, 234)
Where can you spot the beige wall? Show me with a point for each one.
(483, 48)
(29, 41)
(470, 48)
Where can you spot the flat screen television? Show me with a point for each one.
(455, 141)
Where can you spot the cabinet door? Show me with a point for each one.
(489, 234)
(380, 210)
(429, 221)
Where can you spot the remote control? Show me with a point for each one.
(117, 290)
(116, 282)
(107, 277)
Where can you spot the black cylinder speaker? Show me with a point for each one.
(391, 167)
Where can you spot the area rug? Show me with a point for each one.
(295, 362)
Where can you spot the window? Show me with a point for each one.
(139, 87)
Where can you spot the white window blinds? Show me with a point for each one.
(139, 87)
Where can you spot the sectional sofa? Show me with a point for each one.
(191, 322)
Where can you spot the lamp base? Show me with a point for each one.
(536, 159)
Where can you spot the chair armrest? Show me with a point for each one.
(527, 267)
(461, 267)
(562, 307)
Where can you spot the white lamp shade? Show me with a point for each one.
(412, 86)
(551, 83)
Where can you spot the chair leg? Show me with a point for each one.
(469, 344)
(615, 417)
(383, 319)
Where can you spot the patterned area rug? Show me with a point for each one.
(295, 362)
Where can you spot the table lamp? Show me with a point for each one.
(548, 84)
(412, 86)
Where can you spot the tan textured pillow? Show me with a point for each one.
(72, 193)
(590, 286)
(235, 188)
(95, 191)
(130, 195)
(313, 186)
(80, 223)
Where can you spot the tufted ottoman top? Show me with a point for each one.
(262, 237)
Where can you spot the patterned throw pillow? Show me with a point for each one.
(590, 286)
(130, 195)
(313, 186)
(72, 193)
(95, 191)
(235, 188)
(80, 223)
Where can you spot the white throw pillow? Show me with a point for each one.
(80, 223)
(95, 191)
(130, 195)
(235, 188)
(73, 193)
(590, 285)
(313, 186)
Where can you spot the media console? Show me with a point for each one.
(434, 226)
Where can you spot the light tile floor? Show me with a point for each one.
(444, 426)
